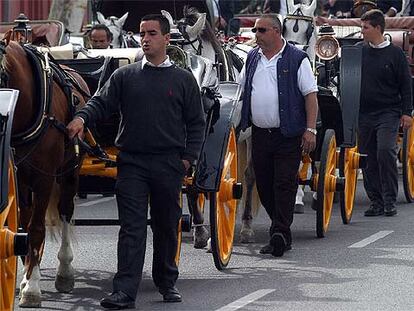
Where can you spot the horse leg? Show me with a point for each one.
(30, 295)
(64, 194)
(246, 164)
(200, 232)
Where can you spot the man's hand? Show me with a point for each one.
(308, 142)
(75, 128)
(406, 122)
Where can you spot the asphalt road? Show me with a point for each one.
(366, 265)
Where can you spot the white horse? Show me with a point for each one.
(200, 39)
(115, 25)
(299, 27)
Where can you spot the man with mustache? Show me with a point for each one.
(280, 104)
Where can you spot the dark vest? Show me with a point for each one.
(291, 101)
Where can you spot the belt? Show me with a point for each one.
(269, 130)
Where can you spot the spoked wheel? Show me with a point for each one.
(8, 260)
(326, 183)
(408, 164)
(223, 208)
(348, 168)
(180, 234)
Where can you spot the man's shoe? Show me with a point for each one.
(267, 249)
(170, 294)
(374, 211)
(299, 208)
(390, 211)
(117, 301)
(279, 244)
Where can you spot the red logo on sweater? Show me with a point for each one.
(170, 92)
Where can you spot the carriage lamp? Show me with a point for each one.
(326, 47)
(22, 32)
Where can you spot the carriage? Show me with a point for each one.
(12, 243)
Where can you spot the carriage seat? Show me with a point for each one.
(125, 56)
(58, 52)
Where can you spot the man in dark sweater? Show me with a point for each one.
(160, 134)
(386, 104)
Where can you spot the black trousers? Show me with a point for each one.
(378, 133)
(156, 179)
(276, 161)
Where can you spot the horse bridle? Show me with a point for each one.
(181, 25)
(298, 16)
(4, 77)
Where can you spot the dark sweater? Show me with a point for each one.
(386, 80)
(160, 110)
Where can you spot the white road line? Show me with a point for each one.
(240, 303)
(95, 202)
(371, 239)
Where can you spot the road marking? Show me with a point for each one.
(95, 202)
(371, 239)
(240, 303)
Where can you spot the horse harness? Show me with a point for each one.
(298, 16)
(181, 25)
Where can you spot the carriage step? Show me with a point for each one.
(185, 222)
(237, 191)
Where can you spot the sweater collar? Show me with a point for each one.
(382, 45)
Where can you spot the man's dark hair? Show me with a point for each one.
(162, 20)
(375, 18)
(102, 27)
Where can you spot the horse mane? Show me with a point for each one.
(191, 14)
(13, 57)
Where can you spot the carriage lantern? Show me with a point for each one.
(326, 47)
(22, 32)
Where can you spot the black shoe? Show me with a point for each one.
(117, 301)
(279, 244)
(390, 211)
(374, 211)
(170, 294)
(299, 208)
(267, 249)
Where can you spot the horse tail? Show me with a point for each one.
(53, 220)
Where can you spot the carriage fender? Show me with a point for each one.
(8, 100)
(210, 164)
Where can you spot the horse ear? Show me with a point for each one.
(100, 17)
(197, 28)
(309, 10)
(290, 6)
(121, 20)
(168, 16)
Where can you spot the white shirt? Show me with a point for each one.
(165, 63)
(265, 92)
(382, 45)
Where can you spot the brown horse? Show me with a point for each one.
(47, 165)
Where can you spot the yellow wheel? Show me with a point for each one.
(8, 260)
(326, 183)
(223, 208)
(408, 164)
(180, 234)
(348, 168)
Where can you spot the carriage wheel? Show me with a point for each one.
(8, 262)
(223, 208)
(408, 164)
(326, 183)
(180, 234)
(348, 168)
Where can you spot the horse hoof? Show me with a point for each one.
(247, 236)
(64, 285)
(30, 301)
(200, 237)
(22, 286)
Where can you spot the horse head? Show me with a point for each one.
(298, 25)
(115, 25)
